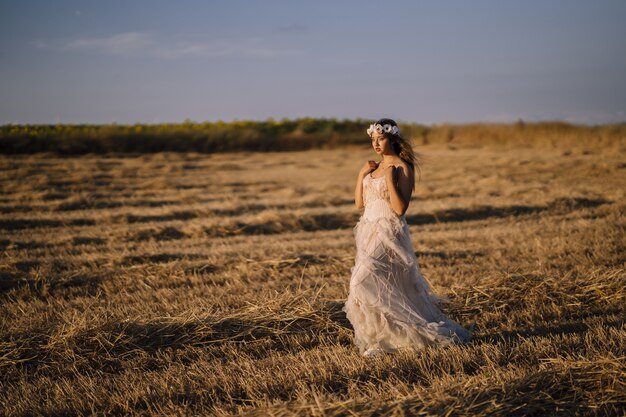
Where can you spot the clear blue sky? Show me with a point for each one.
(416, 61)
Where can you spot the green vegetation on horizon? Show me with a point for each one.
(288, 135)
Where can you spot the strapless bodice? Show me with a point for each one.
(376, 199)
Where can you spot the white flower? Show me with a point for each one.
(387, 128)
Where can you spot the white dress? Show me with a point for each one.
(390, 304)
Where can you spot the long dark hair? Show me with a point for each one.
(403, 147)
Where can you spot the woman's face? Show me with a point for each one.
(381, 144)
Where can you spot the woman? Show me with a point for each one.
(390, 304)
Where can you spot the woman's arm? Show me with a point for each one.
(400, 188)
(358, 189)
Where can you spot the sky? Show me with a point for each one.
(429, 62)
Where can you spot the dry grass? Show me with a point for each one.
(213, 284)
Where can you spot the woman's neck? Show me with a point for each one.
(389, 158)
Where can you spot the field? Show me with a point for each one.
(189, 283)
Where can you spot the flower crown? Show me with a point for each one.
(387, 128)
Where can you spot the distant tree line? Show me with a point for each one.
(287, 135)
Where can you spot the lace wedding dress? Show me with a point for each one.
(390, 304)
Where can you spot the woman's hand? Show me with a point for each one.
(391, 174)
(368, 167)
